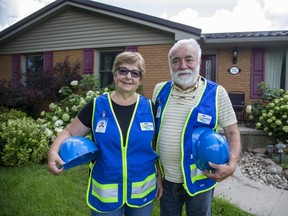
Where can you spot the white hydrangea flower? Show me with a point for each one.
(58, 123)
(74, 83)
(58, 129)
(248, 109)
(48, 132)
(90, 93)
(52, 107)
(285, 128)
(54, 118)
(42, 113)
(40, 121)
(74, 108)
(65, 117)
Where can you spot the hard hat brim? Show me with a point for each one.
(82, 159)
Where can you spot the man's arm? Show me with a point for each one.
(234, 141)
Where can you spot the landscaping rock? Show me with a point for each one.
(261, 169)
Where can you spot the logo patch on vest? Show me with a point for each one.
(203, 118)
(146, 126)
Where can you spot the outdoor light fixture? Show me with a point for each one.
(280, 146)
(235, 55)
(270, 149)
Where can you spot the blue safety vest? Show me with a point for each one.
(205, 113)
(123, 174)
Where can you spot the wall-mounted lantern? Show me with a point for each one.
(235, 55)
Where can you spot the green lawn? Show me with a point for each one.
(32, 190)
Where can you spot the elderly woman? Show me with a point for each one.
(123, 179)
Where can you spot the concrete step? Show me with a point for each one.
(252, 138)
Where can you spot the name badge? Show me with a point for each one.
(203, 118)
(101, 125)
(158, 113)
(146, 126)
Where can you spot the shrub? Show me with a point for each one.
(274, 115)
(76, 96)
(38, 87)
(22, 140)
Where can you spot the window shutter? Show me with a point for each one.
(131, 48)
(16, 74)
(257, 72)
(48, 62)
(88, 56)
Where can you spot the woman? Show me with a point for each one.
(123, 179)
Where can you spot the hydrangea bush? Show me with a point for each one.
(75, 98)
(23, 139)
(273, 116)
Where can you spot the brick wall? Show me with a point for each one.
(6, 67)
(157, 68)
(240, 81)
(59, 56)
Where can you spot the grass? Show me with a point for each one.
(32, 190)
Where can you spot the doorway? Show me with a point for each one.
(208, 67)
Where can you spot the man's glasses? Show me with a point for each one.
(124, 71)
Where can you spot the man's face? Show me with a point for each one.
(185, 66)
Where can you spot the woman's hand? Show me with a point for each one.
(55, 163)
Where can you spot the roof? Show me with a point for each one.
(22, 25)
(246, 39)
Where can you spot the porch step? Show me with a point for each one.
(252, 138)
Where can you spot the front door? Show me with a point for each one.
(208, 67)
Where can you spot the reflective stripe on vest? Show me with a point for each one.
(195, 181)
(142, 188)
(105, 192)
(196, 174)
(123, 174)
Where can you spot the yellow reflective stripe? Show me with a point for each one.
(105, 192)
(196, 174)
(142, 188)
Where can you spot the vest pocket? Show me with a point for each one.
(196, 174)
(141, 189)
(105, 184)
(106, 193)
(142, 180)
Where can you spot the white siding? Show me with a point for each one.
(76, 28)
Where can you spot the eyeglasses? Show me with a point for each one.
(179, 97)
(124, 71)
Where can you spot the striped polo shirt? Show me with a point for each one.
(174, 118)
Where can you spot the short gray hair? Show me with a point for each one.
(186, 42)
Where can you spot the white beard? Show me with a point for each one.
(185, 81)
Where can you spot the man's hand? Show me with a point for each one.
(222, 171)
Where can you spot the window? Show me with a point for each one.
(106, 64)
(276, 71)
(33, 65)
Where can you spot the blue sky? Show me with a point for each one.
(212, 16)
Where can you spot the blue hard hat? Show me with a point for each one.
(78, 150)
(209, 146)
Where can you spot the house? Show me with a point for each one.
(95, 33)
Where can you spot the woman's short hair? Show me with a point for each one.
(130, 58)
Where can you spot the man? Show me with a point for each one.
(181, 106)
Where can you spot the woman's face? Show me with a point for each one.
(125, 78)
